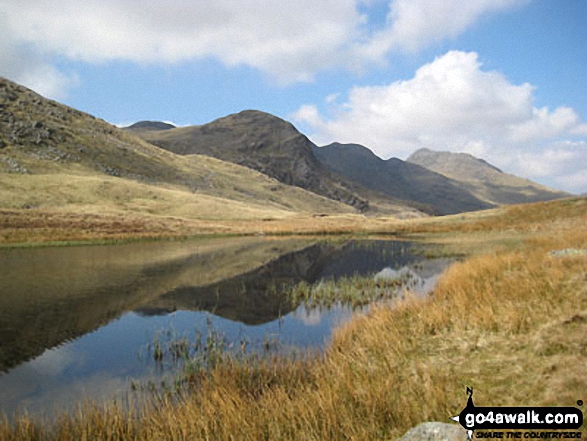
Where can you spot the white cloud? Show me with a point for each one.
(27, 66)
(452, 104)
(546, 124)
(580, 129)
(308, 113)
(415, 24)
(331, 98)
(290, 41)
(562, 164)
(449, 102)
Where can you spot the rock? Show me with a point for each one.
(568, 252)
(14, 166)
(435, 432)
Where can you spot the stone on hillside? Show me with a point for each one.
(435, 432)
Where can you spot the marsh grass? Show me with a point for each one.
(202, 351)
(355, 291)
(510, 321)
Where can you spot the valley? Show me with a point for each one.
(391, 285)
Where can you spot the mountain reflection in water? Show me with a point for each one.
(72, 320)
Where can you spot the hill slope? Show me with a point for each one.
(264, 143)
(398, 179)
(483, 179)
(53, 156)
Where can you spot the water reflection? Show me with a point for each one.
(83, 316)
(49, 296)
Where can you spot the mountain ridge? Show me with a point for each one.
(55, 156)
(398, 179)
(263, 142)
(425, 156)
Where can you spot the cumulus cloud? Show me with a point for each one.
(450, 102)
(290, 41)
(414, 24)
(546, 124)
(26, 65)
(562, 163)
(453, 104)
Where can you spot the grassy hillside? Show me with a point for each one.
(55, 157)
(229, 192)
(483, 179)
(398, 179)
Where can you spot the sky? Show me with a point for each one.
(503, 80)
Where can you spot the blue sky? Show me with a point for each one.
(501, 79)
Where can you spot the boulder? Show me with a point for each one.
(435, 432)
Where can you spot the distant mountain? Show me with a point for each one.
(150, 125)
(264, 143)
(53, 156)
(462, 166)
(398, 179)
(483, 179)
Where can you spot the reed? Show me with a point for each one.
(355, 291)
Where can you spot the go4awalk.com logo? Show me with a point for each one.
(537, 422)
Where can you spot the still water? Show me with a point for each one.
(76, 323)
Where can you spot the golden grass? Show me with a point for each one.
(59, 226)
(224, 200)
(510, 322)
(86, 222)
(59, 207)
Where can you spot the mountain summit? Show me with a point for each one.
(461, 166)
(150, 125)
(482, 179)
(264, 143)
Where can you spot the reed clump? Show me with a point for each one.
(355, 291)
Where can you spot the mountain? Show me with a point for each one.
(398, 179)
(150, 125)
(56, 157)
(262, 142)
(483, 179)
